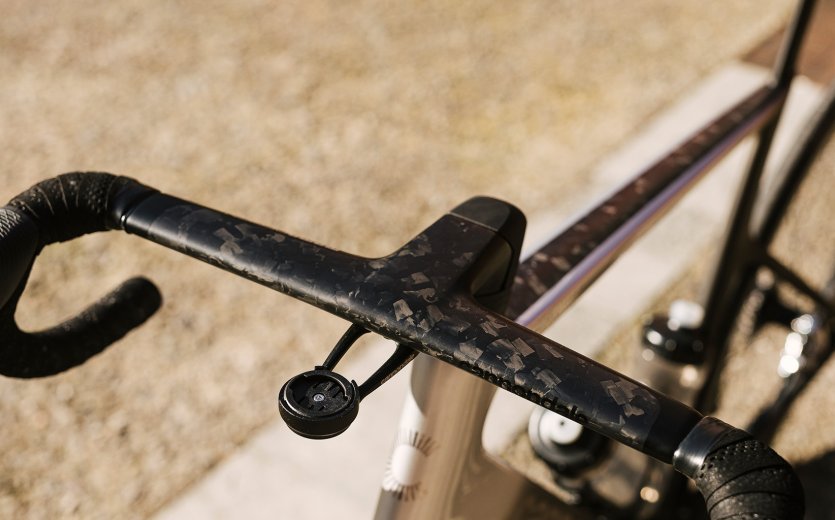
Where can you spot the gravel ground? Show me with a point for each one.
(351, 125)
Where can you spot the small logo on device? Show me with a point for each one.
(403, 470)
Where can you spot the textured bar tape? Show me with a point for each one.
(57, 210)
(739, 476)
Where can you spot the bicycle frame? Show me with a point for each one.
(439, 463)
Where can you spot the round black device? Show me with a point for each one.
(318, 404)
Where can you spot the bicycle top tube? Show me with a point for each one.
(554, 276)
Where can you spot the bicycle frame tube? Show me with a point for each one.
(797, 166)
(553, 277)
(441, 483)
(742, 252)
(793, 172)
(754, 243)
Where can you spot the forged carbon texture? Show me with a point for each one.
(421, 296)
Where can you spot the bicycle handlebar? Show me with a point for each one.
(420, 296)
(57, 210)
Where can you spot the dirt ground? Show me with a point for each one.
(350, 124)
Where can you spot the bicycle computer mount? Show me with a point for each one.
(318, 404)
(474, 250)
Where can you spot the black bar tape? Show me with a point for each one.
(741, 478)
(18, 246)
(71, 205)
(48, 352)
(57, 210)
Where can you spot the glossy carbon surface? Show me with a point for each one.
(421, 296)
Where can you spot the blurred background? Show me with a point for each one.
(352, 124)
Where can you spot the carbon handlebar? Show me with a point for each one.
(422, 296)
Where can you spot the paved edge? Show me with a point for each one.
(280, 475)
